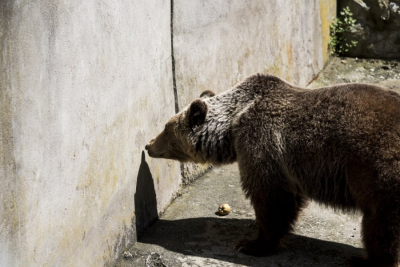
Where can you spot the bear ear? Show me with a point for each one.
(197, 113)
(207, 93)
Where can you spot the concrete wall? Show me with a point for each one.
(85, 84)
(328, 10)
(219, 43)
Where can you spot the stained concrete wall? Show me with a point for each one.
(85, 84)
(219, 43)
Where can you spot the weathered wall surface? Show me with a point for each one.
(86, 84)
(219, 43)
(328, 10)
(377, 28)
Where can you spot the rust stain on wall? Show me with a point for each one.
(289, 61)
(327, 15)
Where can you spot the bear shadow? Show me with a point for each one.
(215, 237)
(145, 199)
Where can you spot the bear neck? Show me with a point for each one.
(213, 140)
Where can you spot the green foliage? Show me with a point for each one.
(338, 43)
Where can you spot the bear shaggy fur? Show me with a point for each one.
(338, 145)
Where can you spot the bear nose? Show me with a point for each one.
(146, 147)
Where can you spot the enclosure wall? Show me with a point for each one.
(219, 43)
(86, 84)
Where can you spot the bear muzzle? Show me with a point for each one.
(148, 147)
(152, 150)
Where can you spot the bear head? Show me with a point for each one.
(175, 141)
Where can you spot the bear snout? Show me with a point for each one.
(151, 149)
(156, 148)
(149, 144)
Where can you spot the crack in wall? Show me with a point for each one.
(173, 59)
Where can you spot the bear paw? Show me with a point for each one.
(254, 247)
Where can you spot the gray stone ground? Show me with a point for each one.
(190, 233)
(344, 70)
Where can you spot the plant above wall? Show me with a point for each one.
(338, 43)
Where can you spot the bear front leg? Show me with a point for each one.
(276, 212)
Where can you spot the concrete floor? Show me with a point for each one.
(191, 234)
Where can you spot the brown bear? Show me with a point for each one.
(338, 145)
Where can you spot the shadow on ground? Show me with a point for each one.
(214, 238)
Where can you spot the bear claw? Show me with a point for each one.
(251, 247)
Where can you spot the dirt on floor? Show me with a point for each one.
(190, 233)
(347, 70)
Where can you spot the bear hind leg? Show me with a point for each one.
(275, 215)
(381, 236)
